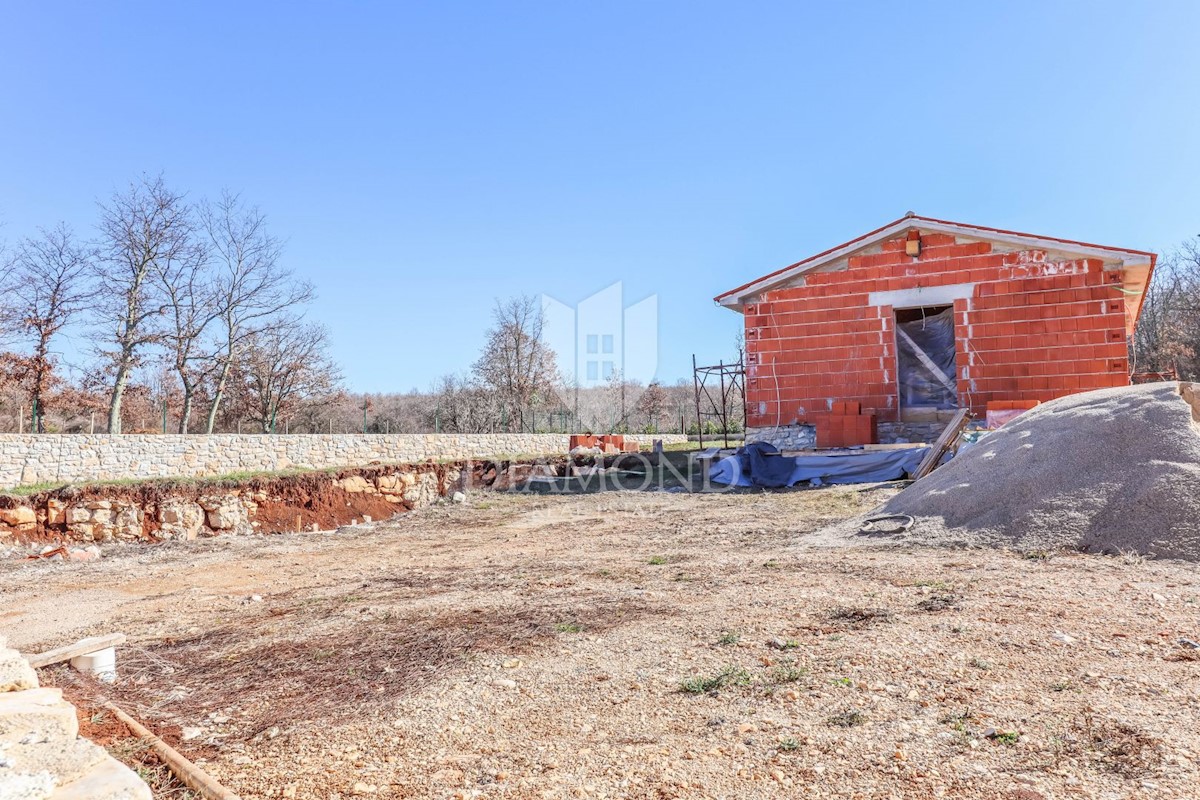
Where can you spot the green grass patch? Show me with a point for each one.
(705, 684)
(228, 479)
(787, 673)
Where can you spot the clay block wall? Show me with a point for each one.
(1034, 328)
(30, 458)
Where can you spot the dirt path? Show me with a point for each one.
(536, 647)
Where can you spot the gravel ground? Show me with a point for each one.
(1111, 470)
(645, 645)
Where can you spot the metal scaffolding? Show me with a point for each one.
(729, 381)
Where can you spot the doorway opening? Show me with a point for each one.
(925, 360)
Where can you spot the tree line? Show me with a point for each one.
(515, 385)
(191, 322)
(184, 305)
(1167, 338)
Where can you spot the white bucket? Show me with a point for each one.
(102, 664)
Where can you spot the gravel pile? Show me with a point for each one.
(1114, 470)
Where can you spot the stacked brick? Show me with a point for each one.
(1002, 411)
(606, 443)
(846, 425)
(1035, 327)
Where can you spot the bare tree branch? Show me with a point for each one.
(45, 287)
(250, 285)
(516, 365)
(145, 229)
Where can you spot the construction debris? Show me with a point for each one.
(83, 647)
(946, 441)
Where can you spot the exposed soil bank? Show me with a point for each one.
(161, 510)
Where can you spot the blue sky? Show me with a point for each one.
(422, 159)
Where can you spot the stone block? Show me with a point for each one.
(56, 512)
(107, 780)
(18, 517)
(180, 519)
(66, 762)
(37, 715)
(15, 673)
(356, 484)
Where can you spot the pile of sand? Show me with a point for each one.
(1113, 470)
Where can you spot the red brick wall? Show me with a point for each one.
(1035, 328)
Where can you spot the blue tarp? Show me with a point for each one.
(759, 465)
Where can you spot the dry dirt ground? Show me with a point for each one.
(646, 645)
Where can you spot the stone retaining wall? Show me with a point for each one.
(116, 514)
(785, 437)
(72, 458)
(804, 437)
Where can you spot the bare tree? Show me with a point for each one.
(1168, 330)
(284, 364)
(144, 230)
(461, 405)
(652, 403)
(187, 291)
(250, 286)
(516, 365)
(46, 287)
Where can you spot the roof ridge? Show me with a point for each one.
(909, 220)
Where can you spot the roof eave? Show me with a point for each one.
(735, 298)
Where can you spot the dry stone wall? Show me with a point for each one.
(72, 458)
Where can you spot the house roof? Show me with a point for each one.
(1136, 265)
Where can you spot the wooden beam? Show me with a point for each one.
(947, 438)
(188, 773)
(924, 358)
(83, 647)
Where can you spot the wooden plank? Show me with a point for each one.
(945, 379)
(854, 451)
(81, 648)
(948, 437)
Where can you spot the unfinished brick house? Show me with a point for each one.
(907, 323)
